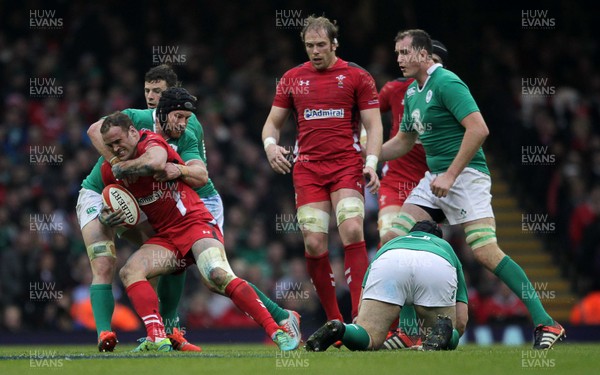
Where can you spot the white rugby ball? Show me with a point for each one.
(116, 196)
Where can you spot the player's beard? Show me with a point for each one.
(174, 132)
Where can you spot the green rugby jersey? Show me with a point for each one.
(435, 112)
(421, 241)
(187, 146)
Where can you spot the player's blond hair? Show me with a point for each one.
(321, 23)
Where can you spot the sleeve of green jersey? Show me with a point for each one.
(458, 99)
(188, 147)
(405, 126)
(199, 133)
(132, 114)
(461, 290)
(462, 295)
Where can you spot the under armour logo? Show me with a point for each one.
(303, 83)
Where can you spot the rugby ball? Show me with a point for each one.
(115, 197)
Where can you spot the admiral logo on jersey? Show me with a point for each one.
(314, 114)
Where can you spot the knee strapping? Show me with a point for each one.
(384, 224)
(403, 223)
(348, 208)
(101, 249)
(479, 235)
(215, 268)
(313, 219)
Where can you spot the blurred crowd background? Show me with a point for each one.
(68, 68)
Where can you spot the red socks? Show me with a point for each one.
(356, 262)
(321, 276)
(246, 299)
(145, 303)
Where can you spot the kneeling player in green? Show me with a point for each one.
(418, 269)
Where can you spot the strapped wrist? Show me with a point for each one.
(372, 161)
(269, 141)
(114, 160)
(183, 170)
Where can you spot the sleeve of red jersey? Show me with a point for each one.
(107, 175)
(366, 91)
(283, 92)
(384, 98)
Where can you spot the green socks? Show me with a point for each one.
(408, 321)
(276, 312)
(356, 337)
(454, 340)
(516, 279)
(169, 290)
(103, 305)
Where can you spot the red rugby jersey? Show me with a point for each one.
(326, 106)
(412, 166)
(165, 203)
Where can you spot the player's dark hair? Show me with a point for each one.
(117, 118)
(439, 49)
(428, 227)
(420, 39)
(321, 23)
(162, 72)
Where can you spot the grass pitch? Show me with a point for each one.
(259, 359)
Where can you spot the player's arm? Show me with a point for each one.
(398, 146)
(476, 131)
(151, 161)
(462, 299)
(270, 137)
(371, 119)
(94, 133)
(193, 173)
(462, 317)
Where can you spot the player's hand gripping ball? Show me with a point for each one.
(116, 197)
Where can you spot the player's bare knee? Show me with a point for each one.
(219, 278)
(129, 272)
(389, 235)
(215, 269)
(313, 245)
(124, 274)
(103, 270)
(352, 231)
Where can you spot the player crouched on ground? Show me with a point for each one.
(419, 269)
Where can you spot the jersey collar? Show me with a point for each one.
(433, 68)
(154, 120)
(429, 73)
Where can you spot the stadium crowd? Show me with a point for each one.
(57, 81)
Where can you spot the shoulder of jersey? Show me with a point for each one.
(355, 65)
(401, 82)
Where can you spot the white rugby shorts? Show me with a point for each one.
(469, 198)
(409, 277)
